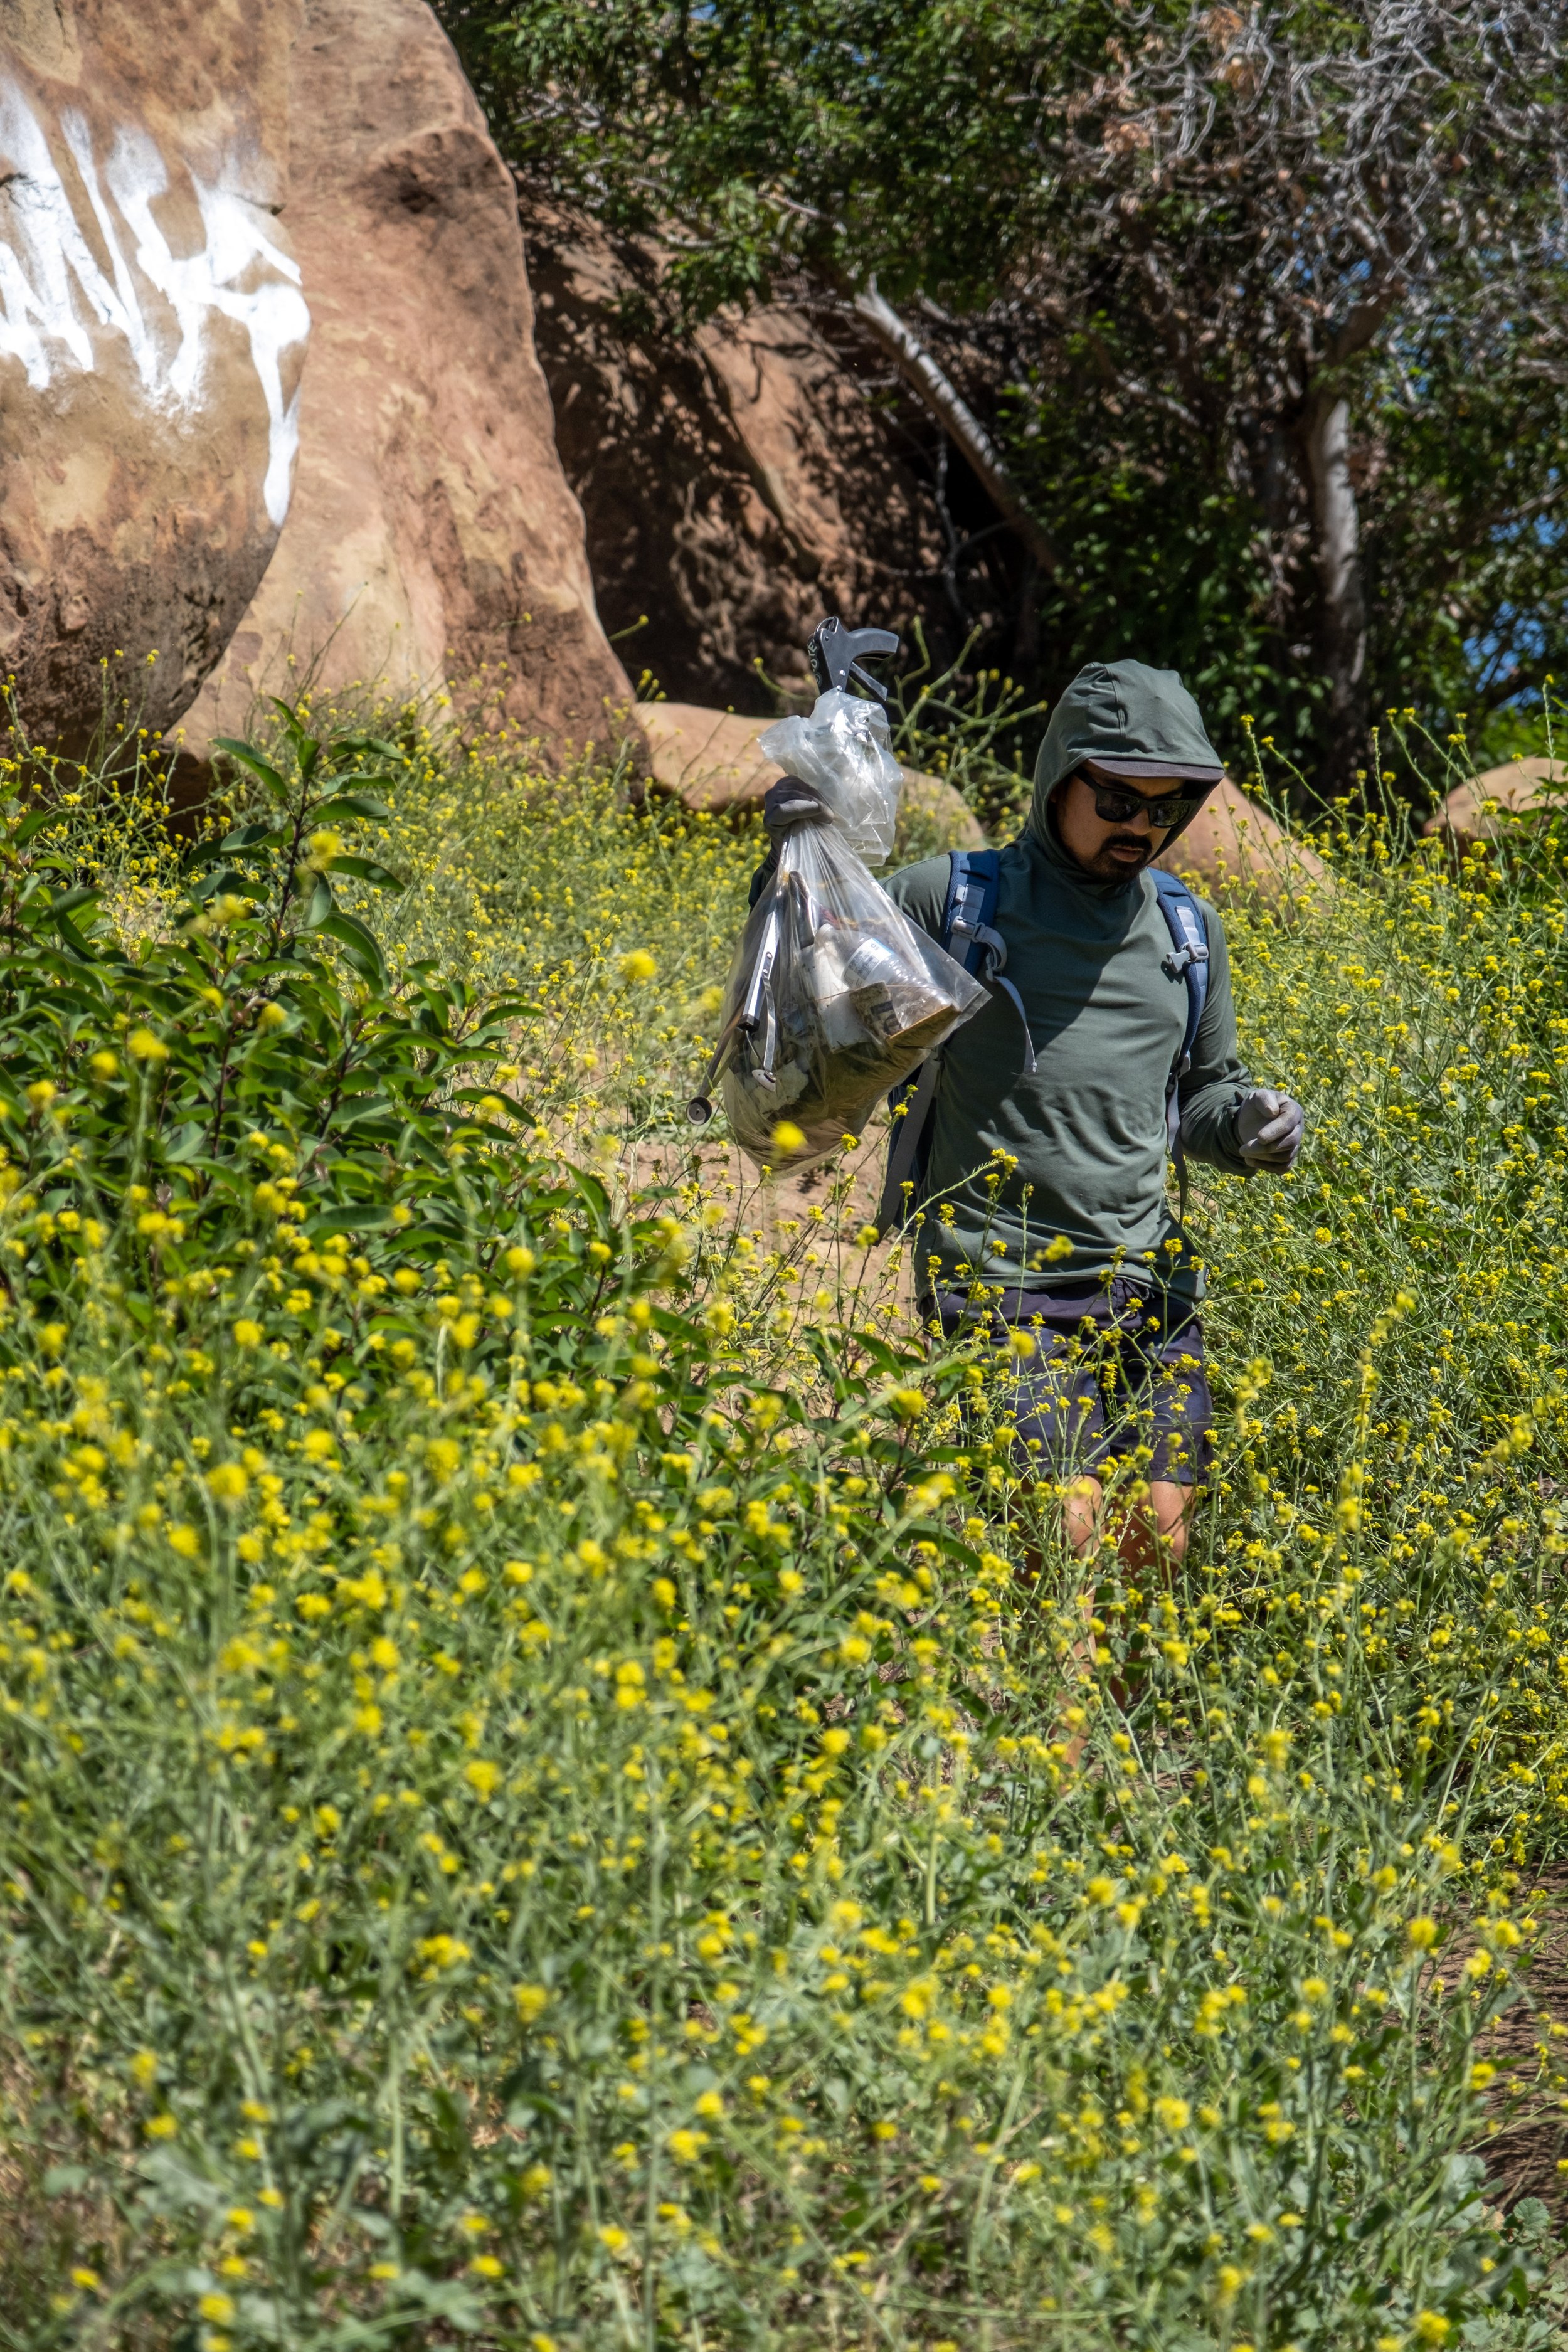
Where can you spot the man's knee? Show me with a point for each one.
(1171, 1507)
(1081, 1501)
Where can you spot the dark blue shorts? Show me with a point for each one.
(1116, 1385)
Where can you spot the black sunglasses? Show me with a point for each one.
(1118, 803)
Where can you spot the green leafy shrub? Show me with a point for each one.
(133, 1075)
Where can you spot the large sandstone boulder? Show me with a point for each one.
(153, 329)
(708, 760)
(1235, 846)
(433, 544)
(1487, 806)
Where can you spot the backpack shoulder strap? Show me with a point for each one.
(969, 930)
(969, 916)
(1189, 959)
(1189, 956)
(970, 936)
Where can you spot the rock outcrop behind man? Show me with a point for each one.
(269, 408)
(433, 544)
(153, 332)
(740, 482)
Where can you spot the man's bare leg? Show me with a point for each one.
(1155, 1531)
(1154, 1534)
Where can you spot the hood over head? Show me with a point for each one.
(1132, 721)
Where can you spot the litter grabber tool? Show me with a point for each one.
(751, 1032)
(753, 1018)
(835, 654)
(834, 995)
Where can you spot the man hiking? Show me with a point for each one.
(1042, 1195)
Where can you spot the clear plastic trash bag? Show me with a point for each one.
(846, 749)
(833, 999)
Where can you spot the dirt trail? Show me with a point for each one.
(1522, 2156)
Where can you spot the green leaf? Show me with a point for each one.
(259, 835)
(344, 805)
(510, 1009)
(213, 853)
(258, 767)
(366, 870)
(490, 1093)
(222, 878)
(357, 944)
(367, 1220)
(33, 824)
(358, 745)
(73, 939)
(306, 747)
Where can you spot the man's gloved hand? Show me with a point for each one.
(1269, 1129)
(792, 802)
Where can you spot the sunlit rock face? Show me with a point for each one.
(433, 550)
(153, 333)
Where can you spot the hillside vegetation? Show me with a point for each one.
(544, 1805)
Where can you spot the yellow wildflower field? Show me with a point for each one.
(557, 1794)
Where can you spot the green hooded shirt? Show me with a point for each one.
(1076, 1153)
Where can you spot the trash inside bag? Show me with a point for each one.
(834, 998)
(846, 749)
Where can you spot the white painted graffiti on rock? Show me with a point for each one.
(47, 267)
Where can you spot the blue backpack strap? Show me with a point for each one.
(970, 936)
(973, 879)
(969, 930)
(1189, 960)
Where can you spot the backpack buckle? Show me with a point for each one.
(1178, 959)
(995, 946)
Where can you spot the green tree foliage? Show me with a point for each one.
(1171, 252)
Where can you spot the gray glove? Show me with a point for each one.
(791, 801)
(1269, 1129)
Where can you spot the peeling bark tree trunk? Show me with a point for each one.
(936, 392)
(1343, 631)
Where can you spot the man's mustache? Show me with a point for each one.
(1140, 842)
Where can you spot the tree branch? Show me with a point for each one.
(936, 391)
(1326, 434)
